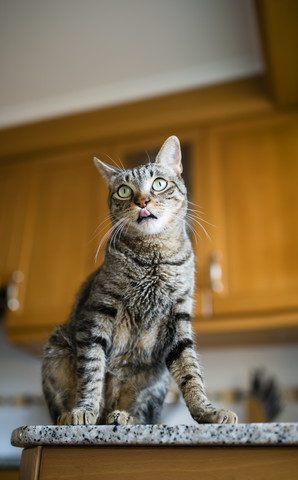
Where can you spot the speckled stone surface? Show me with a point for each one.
(275, 434)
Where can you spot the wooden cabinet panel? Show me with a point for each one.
(170, 463)
(253, 201)
(14, 195)
(67, 202)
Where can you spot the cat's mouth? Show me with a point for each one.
(144, 214)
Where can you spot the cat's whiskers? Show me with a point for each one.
(195, 210)
(107, 236)
(182, 216)
(194, 204)
(194, 216)
(148, 156)
(101, 224)
(118, 231)
(197, 216)
(174, 215)
(120, 224)
(120, 165)
(196, 235)
(197, 221)
(122, 229)
(191, 217)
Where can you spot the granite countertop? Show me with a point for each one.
(250, 434)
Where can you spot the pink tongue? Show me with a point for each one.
(144, 213)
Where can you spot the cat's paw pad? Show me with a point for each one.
(119, 417)
(78, 416)
(214, 415)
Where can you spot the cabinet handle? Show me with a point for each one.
(215, 272)
(13, 290)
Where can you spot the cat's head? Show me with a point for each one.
(151, 198)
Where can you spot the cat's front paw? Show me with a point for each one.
(78, 416)
(214, 415)
(119, 417)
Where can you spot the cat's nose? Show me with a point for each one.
(142, 202)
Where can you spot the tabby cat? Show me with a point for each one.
(131, 324)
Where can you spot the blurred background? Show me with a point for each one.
(114, 79)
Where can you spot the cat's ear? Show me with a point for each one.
(170, 155)
(107, 171)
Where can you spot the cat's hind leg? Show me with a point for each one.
(138, 401)
(149, 400)
(58, 377)
(120, 417)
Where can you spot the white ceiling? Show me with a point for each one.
(66, 56)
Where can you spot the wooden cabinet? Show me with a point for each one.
(243, 172)
(248, 276)
(199, 461)
(252, 198)
(59, 207)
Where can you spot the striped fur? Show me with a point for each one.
(131, 324)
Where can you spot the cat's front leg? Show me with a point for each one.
(91, 345)
(90, 372)
(183, 364)
(78, 416)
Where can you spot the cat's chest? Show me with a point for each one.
(153, 286)
(145, 313)
(148, 303)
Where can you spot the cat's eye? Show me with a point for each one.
(124, 191)
(159, 184)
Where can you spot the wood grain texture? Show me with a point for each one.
(132, 463)
(30, 463)
(14, 196)
(57, 241)
(278, 21)
(252, 198)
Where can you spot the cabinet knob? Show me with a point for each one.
(215, 271)
(13, 303)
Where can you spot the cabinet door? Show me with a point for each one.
(68, 201)
(15, 185)
(252, 198)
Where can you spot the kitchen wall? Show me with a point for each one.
(19, 378)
